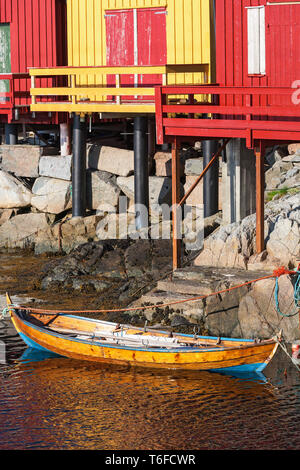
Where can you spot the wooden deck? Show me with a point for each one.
(104, 107)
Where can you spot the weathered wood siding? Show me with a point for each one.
(37, 36)
(282, 63)
(188, 29)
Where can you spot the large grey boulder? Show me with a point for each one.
(13, 193)
(163, 163)
(22, 160)
(193, 166)
(56, 167)
(113, 160)
(234, 245)
(51, 195)
(284, 239)
(160, 190)
(284, 171)
(250, 311)
(258, 315)
(102, 191)
(67, 235)
(115, 226)
(20, 231)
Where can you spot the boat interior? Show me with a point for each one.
(109, 333)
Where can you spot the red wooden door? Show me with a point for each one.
(136, 37)
(152, 42)
(282, 47)
(119, 43)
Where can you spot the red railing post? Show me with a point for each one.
(248, 118)
(260, 198)
(11, 90)
(160, 100)
(175, 204)
(191, 102)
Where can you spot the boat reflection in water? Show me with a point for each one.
(35, 355)
(53, 402)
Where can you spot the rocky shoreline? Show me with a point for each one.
(122, 266)
(133, 273)
(138, 273)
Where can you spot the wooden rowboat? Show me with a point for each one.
(101, 341)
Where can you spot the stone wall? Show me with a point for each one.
(36, 185)
(284, 168)
(233, 245)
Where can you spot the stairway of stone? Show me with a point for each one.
(194, 281)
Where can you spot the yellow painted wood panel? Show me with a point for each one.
(99, 107)
(88, 90)
(188, 33)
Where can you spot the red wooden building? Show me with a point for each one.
(32, 34)
(257, 89)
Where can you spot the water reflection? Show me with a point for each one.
(34, 355)
(92, 406)
(58, 403)
(50, 402)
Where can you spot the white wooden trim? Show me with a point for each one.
(256, 40)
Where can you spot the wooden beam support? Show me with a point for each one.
(260, 199)
(176, 209)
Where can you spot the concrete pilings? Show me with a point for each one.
(238, 182)
(65, 140)
(79, 167)
(11, 134)
(141, 172)
(211, 178)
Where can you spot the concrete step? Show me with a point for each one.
(208, 275)
(185, 287)
(190, 274)
(157, 296)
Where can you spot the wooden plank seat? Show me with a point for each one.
(134, 338)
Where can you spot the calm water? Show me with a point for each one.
(57, 403)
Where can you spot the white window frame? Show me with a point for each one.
(256, 27)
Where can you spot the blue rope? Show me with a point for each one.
(5, 313)
(296, 296)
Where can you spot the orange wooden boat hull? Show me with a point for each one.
(238, 355)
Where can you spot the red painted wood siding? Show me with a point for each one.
(5, 11)
(151, 41)
(119, 42)
(282, 38)
(282, 47)
(38, 36)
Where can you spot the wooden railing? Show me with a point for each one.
(253, 113)
(104, 89)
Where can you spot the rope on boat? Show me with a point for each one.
(5, 312)
(276, 274)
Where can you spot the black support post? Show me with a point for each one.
(211, 178)
(141, 174)
(79, 167)
(11, 134)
